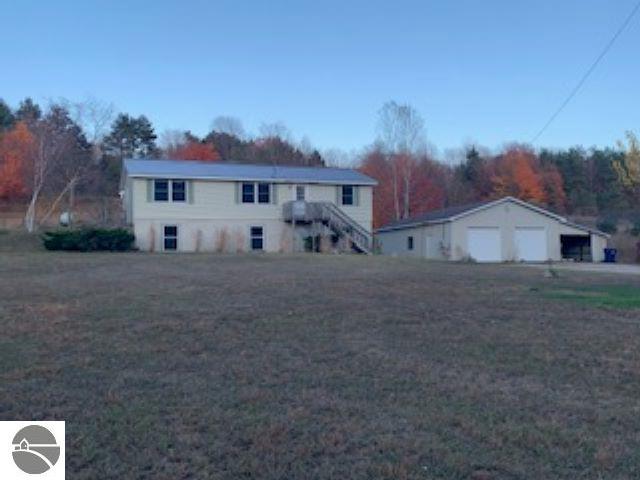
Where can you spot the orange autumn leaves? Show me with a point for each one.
(422, 184)
(194, 150)
(518, 173)
(407, 185)
(17, 150)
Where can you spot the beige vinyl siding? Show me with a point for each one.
(430, 242)
(598, 244)
(213, 207)
(205, 235)
(127, 201)
(506, 217)
(215, 200)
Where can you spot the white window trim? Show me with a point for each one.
(295, 192)
(264, 238)
(170, 190)
(186, 191)
(177, 237)
(353, 196)
(256, 194)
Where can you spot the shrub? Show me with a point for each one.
(89, 239)
(608, 225)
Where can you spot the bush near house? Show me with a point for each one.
(89, 239)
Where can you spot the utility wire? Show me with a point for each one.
(588, 73)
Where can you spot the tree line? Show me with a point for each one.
(601, 182)
(48, 156)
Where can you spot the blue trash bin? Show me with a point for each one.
(610, 255)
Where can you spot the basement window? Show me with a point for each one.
(170, 241)
(410, 243)
(257, 238)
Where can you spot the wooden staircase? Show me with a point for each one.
(334, 218)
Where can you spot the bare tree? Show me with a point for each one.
(336, 157)
(229, 125)
(401, 133)
(275, 130)
(94, 116)
(62, 158)
(305, 146)
(171, 140)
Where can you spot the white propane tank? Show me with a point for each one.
(65, 219)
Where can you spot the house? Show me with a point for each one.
(503, 230)
(176, 205)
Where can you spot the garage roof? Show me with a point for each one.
(236, 171)
(453, 213)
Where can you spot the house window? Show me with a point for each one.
(248, 193)
(178, 191)
(409, 243)
(257, 238)
(170, 237)
(263, 193)
(300, 192)
(347, 195)
(161, 190)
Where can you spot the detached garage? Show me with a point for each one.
(497, 231)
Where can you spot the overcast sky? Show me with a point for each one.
(489, 72)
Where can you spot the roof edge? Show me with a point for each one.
(226, 178)
(362, 183)
(593, 231)
(479, 208)
(502, 200)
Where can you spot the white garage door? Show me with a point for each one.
(531, 244)
(484, 244)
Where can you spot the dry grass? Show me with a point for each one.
(318, 367)
(627, 246)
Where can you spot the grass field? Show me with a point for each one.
(320, 367)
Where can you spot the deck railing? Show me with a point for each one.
(331, 215)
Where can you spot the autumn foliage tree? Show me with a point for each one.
(514, 174)
(17, 149)
(628, 167)
(416, 178)
(195, 150)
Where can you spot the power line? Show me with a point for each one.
(588, 73)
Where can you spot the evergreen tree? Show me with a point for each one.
(6, 116)
(608, 190)
(131, 137)
(28, 112)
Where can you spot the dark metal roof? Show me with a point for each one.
(238, 171)
(451, 213)
(435, 216)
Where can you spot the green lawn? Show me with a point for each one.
(321, 367)
(614, 296)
